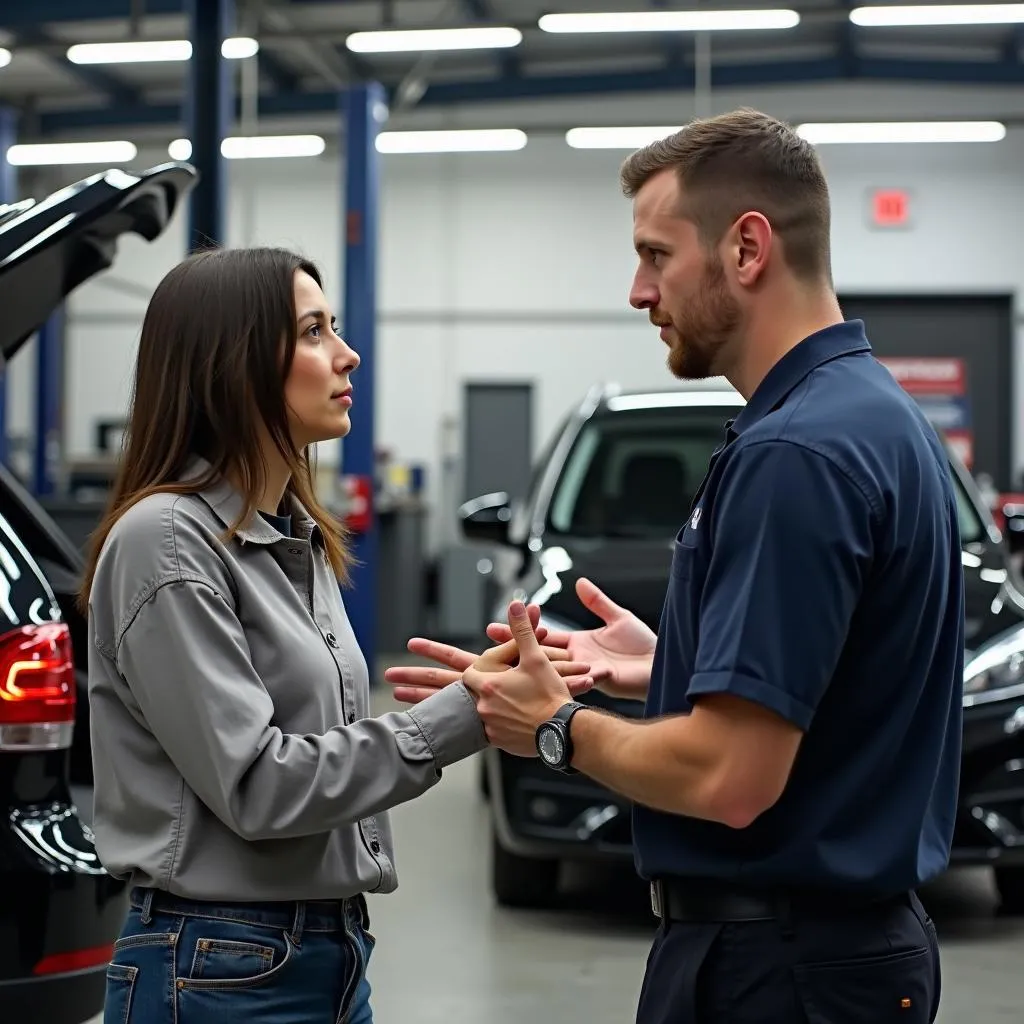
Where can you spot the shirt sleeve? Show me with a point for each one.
(792, 542)
(187, 662)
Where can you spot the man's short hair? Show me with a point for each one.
(741, 161)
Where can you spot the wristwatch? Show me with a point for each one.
(554, 742)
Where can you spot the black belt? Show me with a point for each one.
(701, 899)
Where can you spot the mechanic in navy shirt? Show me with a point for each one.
(796, 780)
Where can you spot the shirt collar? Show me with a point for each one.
(815, 350)
(227, 504)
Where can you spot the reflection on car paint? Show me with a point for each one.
(56, 835)
(14, 562)
(552, 562)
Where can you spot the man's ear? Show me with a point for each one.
(751, 241)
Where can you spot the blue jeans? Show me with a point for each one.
(184, 962)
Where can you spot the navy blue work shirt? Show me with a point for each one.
(820, 575)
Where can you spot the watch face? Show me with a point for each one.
(551, 747)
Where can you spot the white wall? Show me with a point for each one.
(518, 265)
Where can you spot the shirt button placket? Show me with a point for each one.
(347, 702)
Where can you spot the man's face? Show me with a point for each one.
(681, 285)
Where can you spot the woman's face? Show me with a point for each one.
(317, 392)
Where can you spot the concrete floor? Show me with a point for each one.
(447, 955)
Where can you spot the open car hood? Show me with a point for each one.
(48, 248)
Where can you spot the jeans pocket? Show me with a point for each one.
(891, 988)
(222, 958)
(214, 956)
(117, 1003)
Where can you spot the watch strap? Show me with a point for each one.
(566, 711)
(564, 715)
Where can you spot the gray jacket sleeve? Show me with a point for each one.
(185, 657)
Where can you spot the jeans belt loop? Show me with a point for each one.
(147, 906)
(299, 923)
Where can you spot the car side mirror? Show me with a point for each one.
(1013, 517)
(486, 518)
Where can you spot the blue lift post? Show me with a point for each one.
(208, 116)
(8, 194)
(363, 108)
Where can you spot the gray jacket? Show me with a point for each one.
(234, 757)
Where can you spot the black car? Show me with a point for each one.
(60, 912)
(606, 502)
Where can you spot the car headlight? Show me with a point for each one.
(995, 671)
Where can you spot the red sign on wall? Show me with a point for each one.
(890, 208)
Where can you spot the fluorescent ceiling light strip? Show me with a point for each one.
(434, 39)
(616, 138)
(154, 50)
(669, 21)
(239, 48)
(902, 132)
(39, 154)
(485, 140)
(256, 147)
(938, 14)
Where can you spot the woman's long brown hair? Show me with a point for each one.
(209, 375)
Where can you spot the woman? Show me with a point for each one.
(241, 787)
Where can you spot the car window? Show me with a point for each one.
(635, 474)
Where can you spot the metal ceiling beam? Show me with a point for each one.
(478, 11)
(89, 75)
(282, 77)
(1014, 44)
(41, 12)
(672, 42)
(660, 79)
(29, 35)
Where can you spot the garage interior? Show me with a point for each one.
(463, 204)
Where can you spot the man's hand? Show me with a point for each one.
(414, 683)
(620, 652)
(513, 701)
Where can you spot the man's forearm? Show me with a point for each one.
(659, 764)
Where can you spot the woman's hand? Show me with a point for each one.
(620, 653)
(414, 683)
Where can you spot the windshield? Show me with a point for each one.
(635, 474)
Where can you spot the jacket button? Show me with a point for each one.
(332, 640)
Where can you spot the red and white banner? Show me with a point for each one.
(928, 375)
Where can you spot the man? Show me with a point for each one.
(796, 778)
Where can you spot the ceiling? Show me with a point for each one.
(303, 62)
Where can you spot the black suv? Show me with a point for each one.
(606, 501)
(60, 912)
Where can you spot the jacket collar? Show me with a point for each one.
(796, 365)
(227, 504)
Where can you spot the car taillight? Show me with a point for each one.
(78, 960)
(37, 688)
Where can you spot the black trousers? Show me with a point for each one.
(876, 965)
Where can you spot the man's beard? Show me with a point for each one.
(704, 329)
